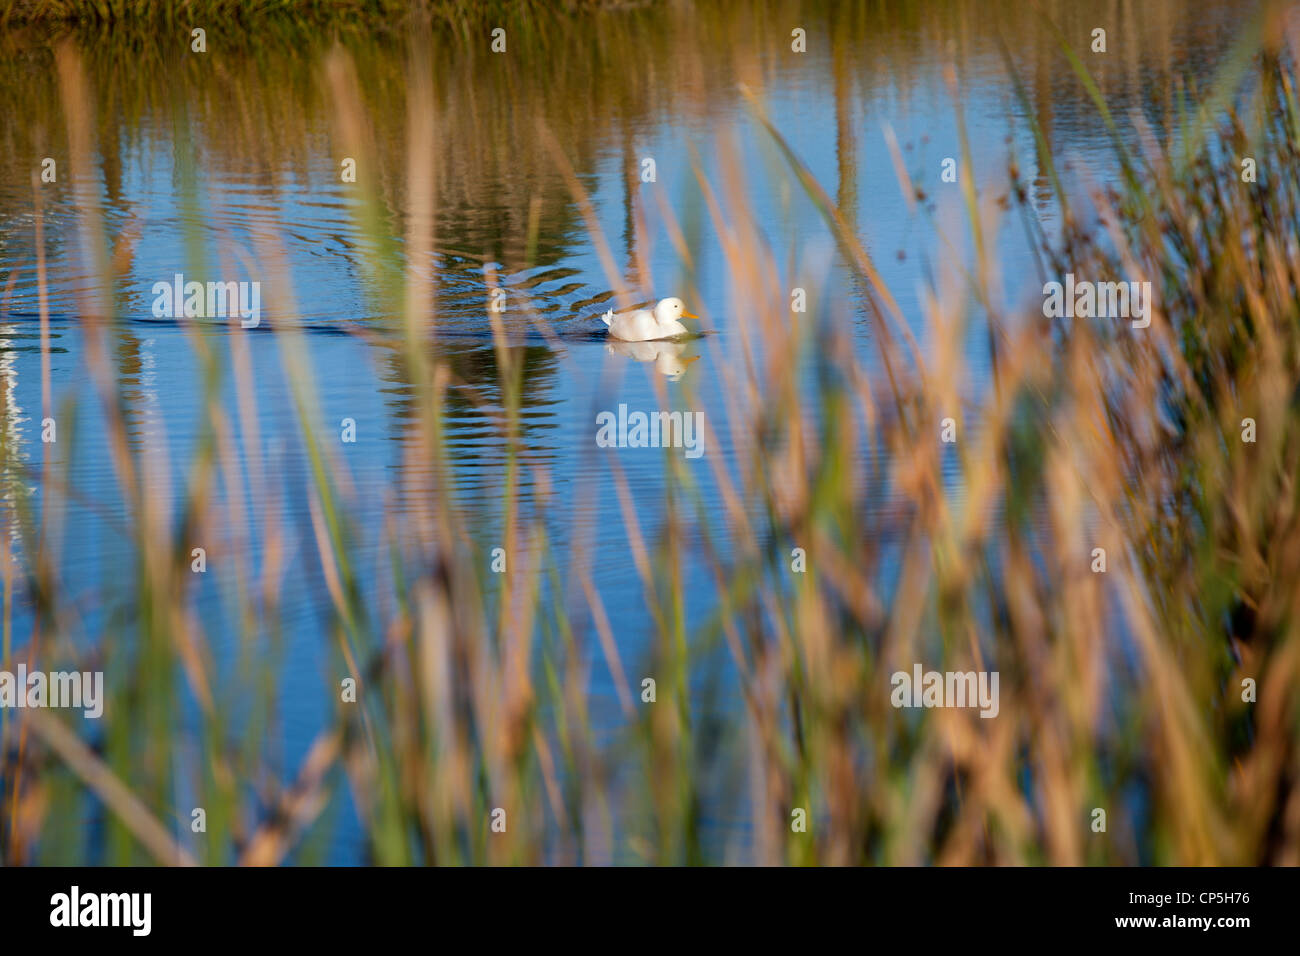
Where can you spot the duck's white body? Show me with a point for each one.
(646, 326)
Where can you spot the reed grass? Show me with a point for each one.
(1119, 690)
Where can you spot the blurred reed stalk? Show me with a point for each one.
(1119, 691)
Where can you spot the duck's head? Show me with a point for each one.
(670, 310)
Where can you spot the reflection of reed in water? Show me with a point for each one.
(263, 120)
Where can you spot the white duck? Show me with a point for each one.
(646, 326)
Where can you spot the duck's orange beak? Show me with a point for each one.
(689, 315)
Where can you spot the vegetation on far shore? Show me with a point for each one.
(214, 12)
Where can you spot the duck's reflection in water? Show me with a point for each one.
(669, 357)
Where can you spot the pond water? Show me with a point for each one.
(227, 165)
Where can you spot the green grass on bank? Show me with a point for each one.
(319, 12)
